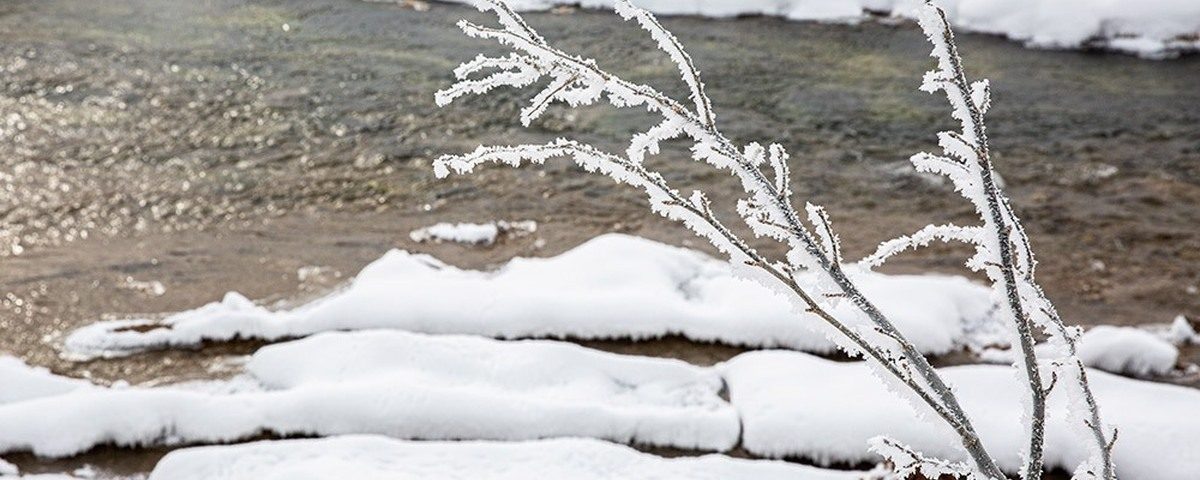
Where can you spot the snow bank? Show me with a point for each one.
(613, 286)
(471, 233)
(1150, 28)
(403, 385)
(1127, 350)
(380, 458)
(19, 381)
(793, 404)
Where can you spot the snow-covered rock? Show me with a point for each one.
(1150, 28)
(794, 404)
(403, 385)
(1127, 350)
(380, 458)
(613, 286)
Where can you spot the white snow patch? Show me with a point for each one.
(794, 404)
(403, 385)
(1181, 332)
(1127, 350)
(380, 458)
(1149, 28)
(8, 469)
(613, 286)
(472, 233)
(19, 381)
(1121, 350)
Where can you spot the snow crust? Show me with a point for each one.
(403, 385)
(1149, 28)
(613, 286)
(380, 458)
(794, 404)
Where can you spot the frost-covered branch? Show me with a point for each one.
(1002, 251)
(767, 208)
(923, 237)
(908, 463)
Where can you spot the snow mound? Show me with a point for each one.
(794, 404)
(471, 233)
(1124, 350)
(1149, 28)
(1180, 332)
(402, 385)
(613, 286)
(1127, 350)
(380, 458)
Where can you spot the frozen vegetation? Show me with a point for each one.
(1150, 28)
(613, 286)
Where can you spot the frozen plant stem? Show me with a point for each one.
(1004, 253)
(767, 209)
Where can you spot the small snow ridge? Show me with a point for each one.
(472, 233)
(613, 286)
(1181, 332)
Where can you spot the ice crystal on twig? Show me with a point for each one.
(1002, 249)
(1003, 252)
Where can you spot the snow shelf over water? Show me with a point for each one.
(613, 286)
(1148, 28)
(380, 458)
(416, 386)
(401, 384)
(795, 404)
